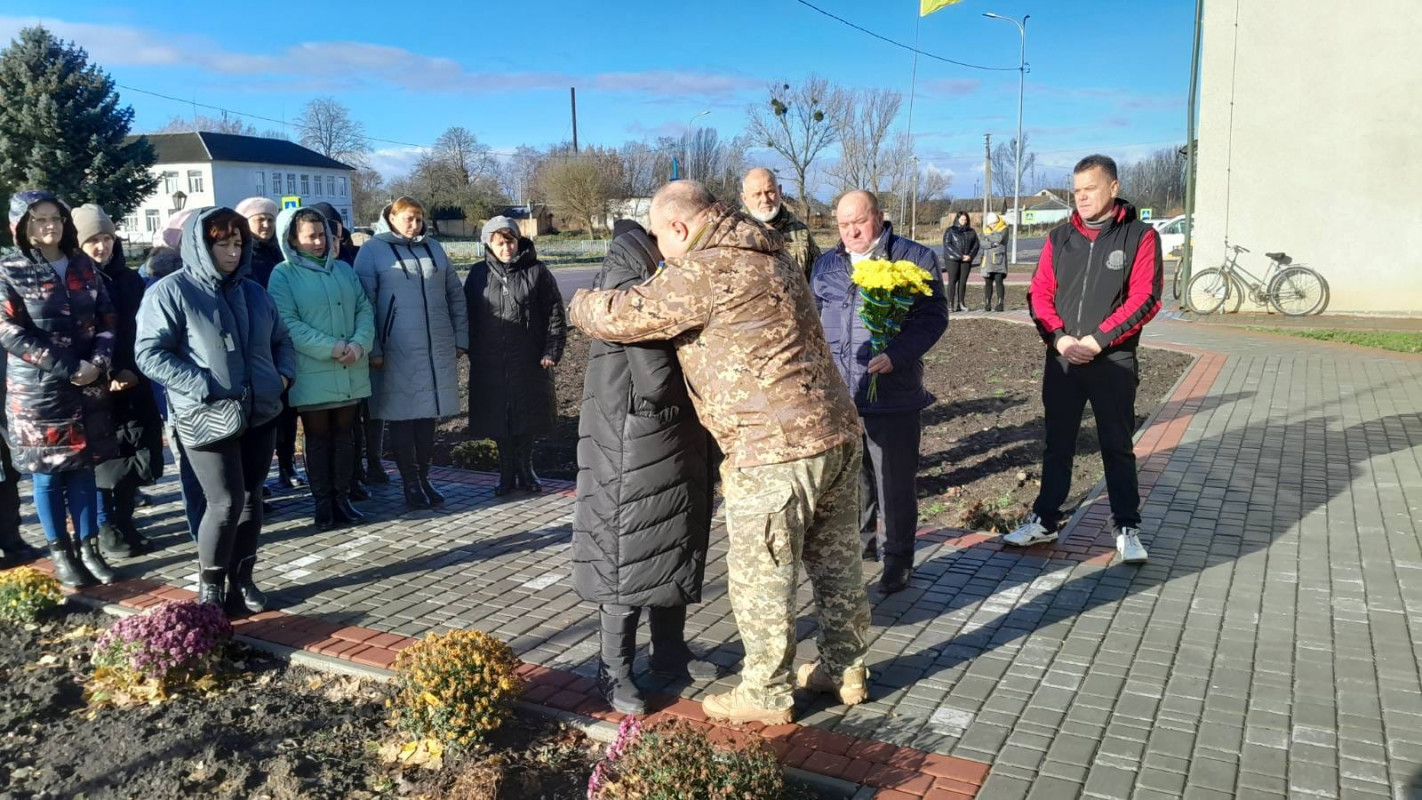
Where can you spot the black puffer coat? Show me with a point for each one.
(643, 513)
(47, 327)
(138, 425)
(959, 242)
(265, 257)
(516, 319)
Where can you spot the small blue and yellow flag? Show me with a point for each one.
(926, 7)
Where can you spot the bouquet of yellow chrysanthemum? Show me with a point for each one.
(888, 289)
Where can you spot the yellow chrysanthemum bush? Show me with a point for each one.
(25, 593)
(455, 688)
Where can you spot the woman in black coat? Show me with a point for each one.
(56, 326)
(643, 513)
(137, 423)
(960, 247)
(517, 330)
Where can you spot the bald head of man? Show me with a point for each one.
(760, 192)
(677, 212)
(860, 221)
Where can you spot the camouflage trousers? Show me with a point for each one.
(778, 516)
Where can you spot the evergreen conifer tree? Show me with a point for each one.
(62, 129)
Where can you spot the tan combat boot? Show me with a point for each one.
(735, 707)
(852, 686)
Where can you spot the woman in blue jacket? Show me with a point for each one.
(332, 326)
(215, 340)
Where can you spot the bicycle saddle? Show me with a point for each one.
(1282, 258)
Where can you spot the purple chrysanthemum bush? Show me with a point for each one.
(675, 760)
(145, 657)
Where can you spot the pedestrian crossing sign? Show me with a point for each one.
(291, 201)
(1146, 214)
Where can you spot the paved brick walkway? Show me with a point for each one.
(1266, 650)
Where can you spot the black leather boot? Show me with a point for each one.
(619, 648)
(415, 499)
(66, 566)
(242, 593)
(895, 577)
(433, 495)
(212, 586)
(343, 483)
(94, 562)
(671, 657)
(507, 459)
(318, 469)
(525, 477)
(112, 543)
(374, 448)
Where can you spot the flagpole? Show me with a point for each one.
(913, 90)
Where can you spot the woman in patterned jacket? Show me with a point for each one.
(56, 326)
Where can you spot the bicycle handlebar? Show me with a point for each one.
(1239, 248)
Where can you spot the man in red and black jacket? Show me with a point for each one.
(1097, 284)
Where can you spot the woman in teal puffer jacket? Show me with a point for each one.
(332, 325)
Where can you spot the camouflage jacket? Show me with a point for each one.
(748, 338)
(799, 244)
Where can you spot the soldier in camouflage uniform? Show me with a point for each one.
(761, 194)
(762, 381)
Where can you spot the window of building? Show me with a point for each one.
(276, 183)
(130, 223)
(346, 215)
(316, 186)
(291, 183)
(261, 182)
(194, 181)
(343, 187)
(170, 182)
(152, 220)
(305, 185)
(331, 185)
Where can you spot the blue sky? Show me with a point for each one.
(1101, 78)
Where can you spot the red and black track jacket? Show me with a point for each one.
(1103, 283)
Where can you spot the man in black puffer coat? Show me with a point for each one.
(643, 513)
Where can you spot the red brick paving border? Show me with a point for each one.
(899, 773)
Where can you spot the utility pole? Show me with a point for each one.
(573, 93)
(987, 174)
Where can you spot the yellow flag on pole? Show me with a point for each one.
(926, 7)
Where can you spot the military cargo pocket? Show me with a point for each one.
(757, 520)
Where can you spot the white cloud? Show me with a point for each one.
(392, 162)
(330, 66)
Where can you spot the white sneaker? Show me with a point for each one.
(1030, 532)
(1128, 544)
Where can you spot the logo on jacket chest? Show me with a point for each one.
(1116, 260)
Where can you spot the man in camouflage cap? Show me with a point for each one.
(763, 199)
(762, 381)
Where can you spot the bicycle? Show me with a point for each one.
(1294, 290)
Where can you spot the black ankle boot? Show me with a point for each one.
(94, 562)
(358, 492)
(433, 495)
(415, 499)
(137, 542)
(507, 459)
(525, 477)
(344, 512)
(66, 567)
(212, 586)
(111, 542)
(242, 593)
(670, 656)
(619, 648)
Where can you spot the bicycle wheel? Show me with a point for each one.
(1207, 291)
(1236, 295)
(1327, 295)
(1175, 286)
(1296, 291)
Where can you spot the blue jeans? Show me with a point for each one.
(60, 495)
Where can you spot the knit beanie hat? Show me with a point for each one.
(91, 220)
(171, 234)
(253, 206)
(495, 225)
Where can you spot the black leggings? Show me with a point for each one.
(232, 473)
(286, 437)
(329, 421)
(991, 280)
(957, 283)
(416, 434)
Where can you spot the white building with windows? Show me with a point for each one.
(223, 169)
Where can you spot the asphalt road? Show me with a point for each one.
(571, 279)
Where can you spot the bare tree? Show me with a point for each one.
(717, 163)
(368, 195)
(327, 127)
(581, 185)
(798, 122)
(866, 160)
(1004, 161)
(222, 124)
(1156, 181)
(517, 171)
(461, 152)
(640, 170)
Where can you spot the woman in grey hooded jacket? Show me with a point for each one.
(212, 337)
(421, 329)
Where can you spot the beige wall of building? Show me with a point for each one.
(1311, 142)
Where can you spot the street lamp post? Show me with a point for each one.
(690, 133)
(1021, 88)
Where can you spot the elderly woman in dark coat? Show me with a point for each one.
(643, 513)
(56, 326)
(138, 425)
(517, 329)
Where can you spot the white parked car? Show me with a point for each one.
(1172, 234)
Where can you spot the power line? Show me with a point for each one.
(899, 44)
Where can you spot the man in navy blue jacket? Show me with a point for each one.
(889, 499)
